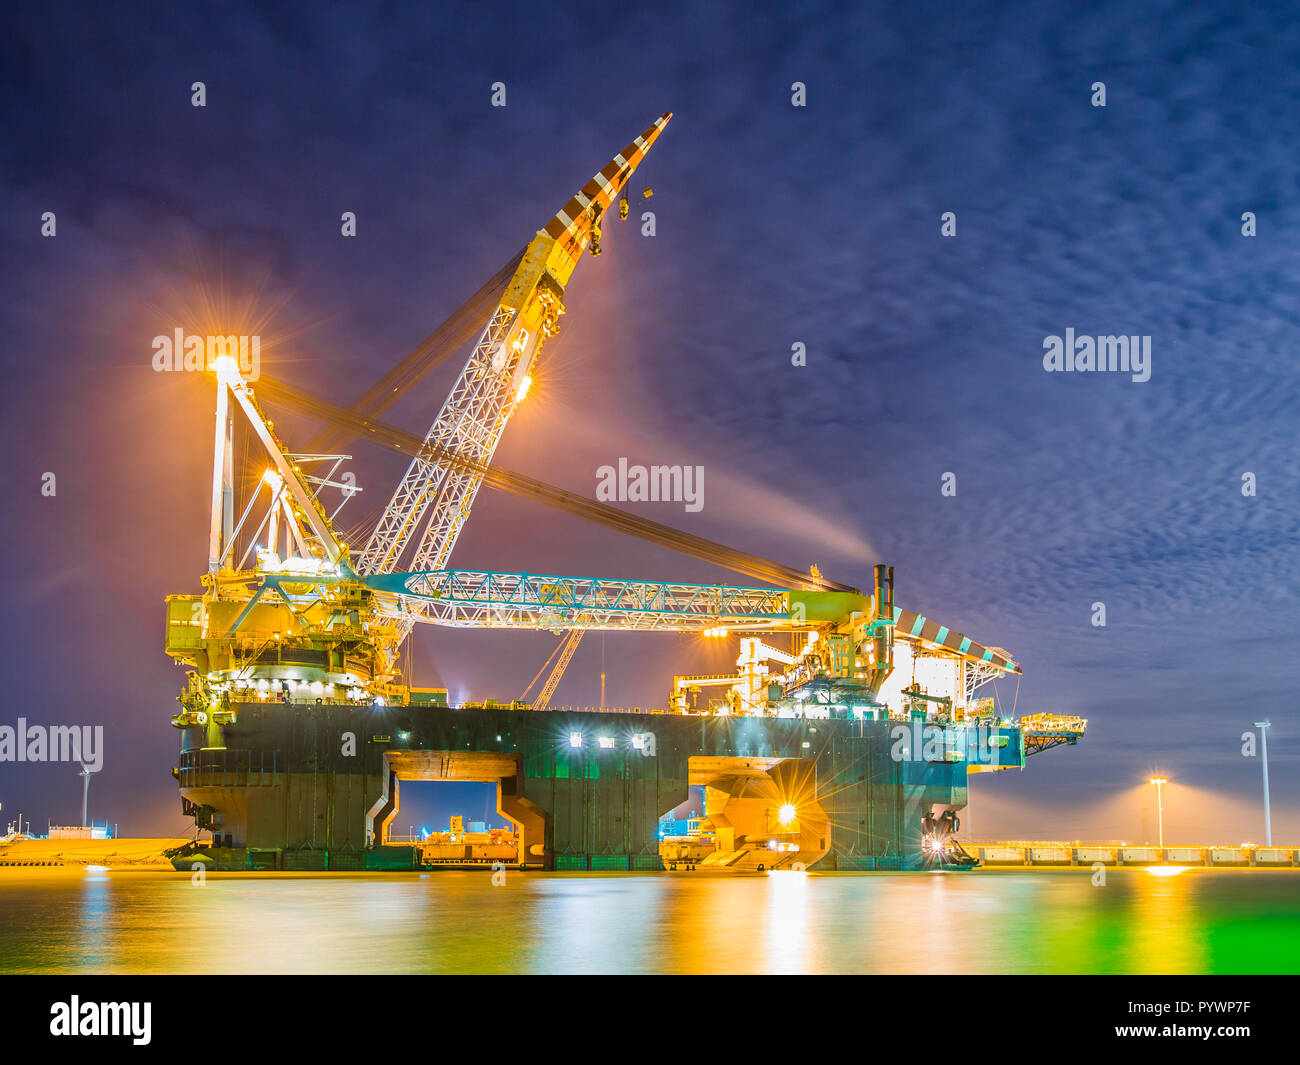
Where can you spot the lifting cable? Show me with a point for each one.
(463, 323)
(563, 640)
(539, 491)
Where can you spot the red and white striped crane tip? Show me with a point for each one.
(574, 218)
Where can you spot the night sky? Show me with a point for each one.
(775, 225)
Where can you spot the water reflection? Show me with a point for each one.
(788, 946)
(1167, 937)
(96, 912)
(783, 922)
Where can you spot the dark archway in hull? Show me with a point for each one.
(500, 771)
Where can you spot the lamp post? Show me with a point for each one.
(1159, 782)
(1263, 741)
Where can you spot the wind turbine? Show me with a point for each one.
(85, 775)
(1263, 727)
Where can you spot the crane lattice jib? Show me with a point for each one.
(487, 599)
(494, 379)
(552, 682)
(477, 599)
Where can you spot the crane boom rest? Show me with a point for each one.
(495, 378)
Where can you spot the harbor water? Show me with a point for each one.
(986, 921)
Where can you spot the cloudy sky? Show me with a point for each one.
(775, 225)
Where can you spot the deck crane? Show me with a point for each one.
(585, 507)
(494, 380)
(496, 377)
(317, 622)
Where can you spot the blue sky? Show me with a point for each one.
(775, 225)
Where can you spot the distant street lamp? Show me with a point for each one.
(1160, 806)
(1263, 741)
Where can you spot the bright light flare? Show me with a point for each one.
(1166, 870)
(786, 814)
(524, 386)
(226, 369)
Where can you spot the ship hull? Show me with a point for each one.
(310, 787)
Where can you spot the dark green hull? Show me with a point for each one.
(297, 786)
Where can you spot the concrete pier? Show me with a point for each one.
(1041, 854)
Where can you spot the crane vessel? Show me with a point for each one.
(843, 740)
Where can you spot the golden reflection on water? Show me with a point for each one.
(1029, 921)
(787, 946)
(1166, 937)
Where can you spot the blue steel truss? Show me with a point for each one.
(478, 599)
